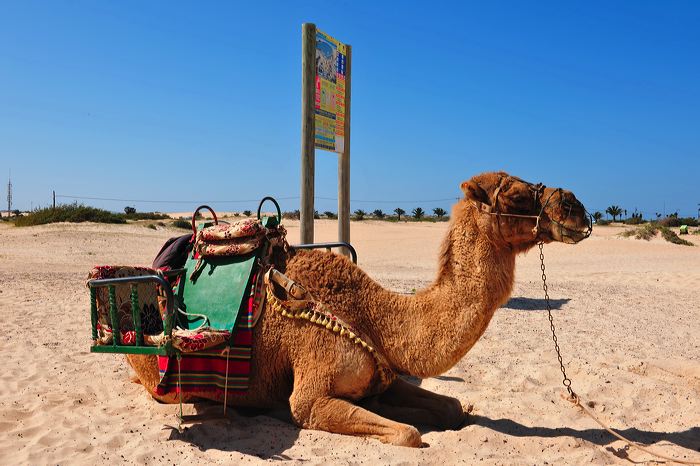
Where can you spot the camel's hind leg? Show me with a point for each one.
(405, 402)
(146, 369)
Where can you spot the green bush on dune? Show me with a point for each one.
(650, 230)
(144, 216)
(74, 213)
(184, 224)
(77, 213)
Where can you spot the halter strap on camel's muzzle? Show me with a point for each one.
(568, 235)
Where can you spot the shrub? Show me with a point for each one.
(674, 221)
(293, 215)
(672, 237)
(650, 230)
(329, 214)
(603, 222)
(180, 223)
(144, 216)
(646, 232)
(75, 213)
(633, 221)
(670, 222)
(247, 213)
(151, 226)
(360, 214)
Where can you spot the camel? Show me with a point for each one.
(332, 384)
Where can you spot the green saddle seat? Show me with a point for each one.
(216, 294)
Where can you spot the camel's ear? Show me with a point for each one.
(474, 192)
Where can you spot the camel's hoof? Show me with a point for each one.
(407, 436)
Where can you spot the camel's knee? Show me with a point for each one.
(301, 406)
(404, 436)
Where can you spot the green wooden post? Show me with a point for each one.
(136, 314)
(93, 312)
(113, 317)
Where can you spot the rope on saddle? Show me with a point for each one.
(303, 305)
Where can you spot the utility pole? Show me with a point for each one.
(9, 195)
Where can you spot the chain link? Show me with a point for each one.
(566, 381)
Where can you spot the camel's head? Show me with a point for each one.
(522, 214)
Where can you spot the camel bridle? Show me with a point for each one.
(567, 234)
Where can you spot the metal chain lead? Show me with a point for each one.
(566, 381)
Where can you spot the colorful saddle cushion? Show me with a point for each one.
(149, 303)
(240, 238)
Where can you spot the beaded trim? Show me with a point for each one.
(315, 313)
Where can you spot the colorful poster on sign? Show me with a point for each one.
(331, 58)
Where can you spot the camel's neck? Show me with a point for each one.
(427, 334)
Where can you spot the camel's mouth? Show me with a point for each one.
(566, 220)
(569, 235)
(569, 228)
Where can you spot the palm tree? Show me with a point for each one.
(378, 213)
(360, 214)
(247, 213)
(597, 216)
(418, 213)
(614, 210)
(330, 214)
(399, 211)
(439, 212)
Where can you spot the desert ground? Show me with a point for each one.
(627, 314)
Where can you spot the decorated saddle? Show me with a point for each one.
(198, 318)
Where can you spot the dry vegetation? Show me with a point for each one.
(650, 230)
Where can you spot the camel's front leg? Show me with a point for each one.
(342, 417)
(405, 402)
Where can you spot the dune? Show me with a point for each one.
(628, 322)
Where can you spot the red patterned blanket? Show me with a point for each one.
(207, 371)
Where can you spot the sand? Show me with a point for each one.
(627, 315)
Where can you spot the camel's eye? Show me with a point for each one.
(520, 198)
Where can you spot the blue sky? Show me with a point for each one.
(200, 101)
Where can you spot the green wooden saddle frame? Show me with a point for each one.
(213, 299)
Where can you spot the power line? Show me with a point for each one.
(390, 202)
(165, 201)
(287, 198)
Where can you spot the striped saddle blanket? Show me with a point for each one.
(211, 370)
